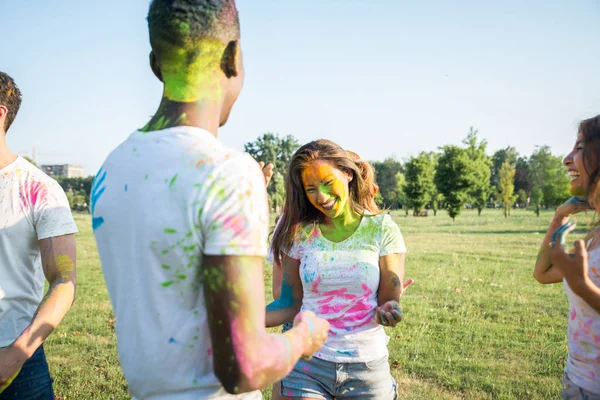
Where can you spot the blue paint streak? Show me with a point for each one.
(286, 299)
(126, 187)
(97, 191)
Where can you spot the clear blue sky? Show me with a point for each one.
(381, 77)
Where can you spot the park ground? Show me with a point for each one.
(477, 326)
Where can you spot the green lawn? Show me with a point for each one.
(476, 326)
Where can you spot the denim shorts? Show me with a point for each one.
(320, 379)
(571, 391)
(33, 382)
(287, 326)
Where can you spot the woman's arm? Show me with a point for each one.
(288, 304)
(391, 287)
(276, 279)
(544, 272)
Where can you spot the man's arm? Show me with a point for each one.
(58, 261)
(246, 357)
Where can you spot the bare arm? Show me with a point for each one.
(246, 356)
(276, 279)
(58, 261)
(391, 269)
(289, 302)
(544, 272)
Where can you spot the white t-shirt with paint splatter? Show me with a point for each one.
(160, 201)
(583, 334)
(340, 283)
(33, 207)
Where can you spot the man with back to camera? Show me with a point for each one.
(181, 226)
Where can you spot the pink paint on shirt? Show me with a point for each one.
(573, 314)
(315, 285)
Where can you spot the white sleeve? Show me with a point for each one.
(391, 238)
(51, 210)
(236, 213)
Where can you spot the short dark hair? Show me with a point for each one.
(183, 23)
(10, 97)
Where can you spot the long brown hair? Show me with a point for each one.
(590, 133)
(297, 209)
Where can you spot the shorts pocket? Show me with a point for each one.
(377, 364)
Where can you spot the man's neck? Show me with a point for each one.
(170, 114)
(6, 156)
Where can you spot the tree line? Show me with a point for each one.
(452, 178)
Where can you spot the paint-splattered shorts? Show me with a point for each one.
(320, 379)
(571, 391)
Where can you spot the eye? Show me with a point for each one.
(329, 183)
(309, 190)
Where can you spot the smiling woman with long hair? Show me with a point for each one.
(344, 260)
(580, 270)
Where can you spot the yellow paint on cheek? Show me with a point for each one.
(64, 265)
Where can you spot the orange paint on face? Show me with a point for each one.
(326, 188)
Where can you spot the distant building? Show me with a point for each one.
(66, 170)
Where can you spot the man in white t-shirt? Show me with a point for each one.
(181, 225)
(36, 241)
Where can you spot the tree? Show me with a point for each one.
(277, 196)
(81, 186)
(31, 161)
(550, 176)
(436, 201)
(452, 178)
(522, 197)
(522, 177)
(272, 148)
(386, 171)
(420, 173)
(400, 192)
(501, 156)
(537, 199)
(506, 187)
(479, 171)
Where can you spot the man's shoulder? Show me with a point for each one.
(33, 176)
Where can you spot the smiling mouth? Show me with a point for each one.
(573, 174)
(329, 205)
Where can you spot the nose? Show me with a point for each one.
(568, 160)
(322, 197)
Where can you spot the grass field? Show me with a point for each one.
(477, 326)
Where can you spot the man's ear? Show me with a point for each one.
(3, 114)
(154, 66)
(229, 60)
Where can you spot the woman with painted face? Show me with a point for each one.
(579, 270)
(344, 260)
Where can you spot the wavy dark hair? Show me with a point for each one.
(297, 209)
(590, 133)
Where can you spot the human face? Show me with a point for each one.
(326, 188)
(575, 163)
